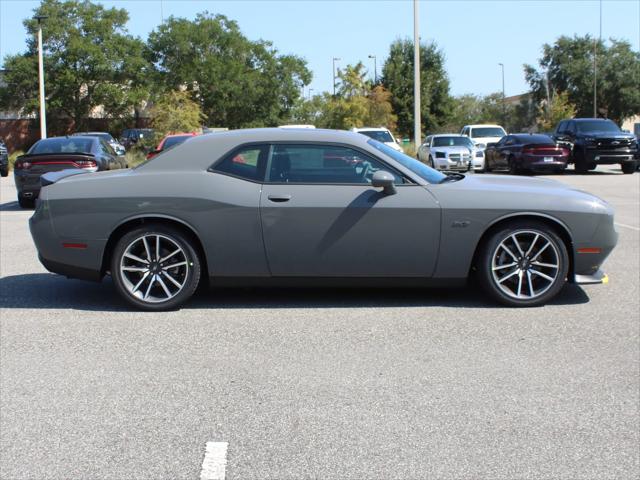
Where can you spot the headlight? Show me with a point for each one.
(441, 155)
(481, 146)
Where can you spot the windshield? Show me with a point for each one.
(62, 145)
(378, 135)
(487, 132)
(452, 142)
(172, 141)
(597, 126)
(419, 168)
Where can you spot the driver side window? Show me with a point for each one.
(323, 164)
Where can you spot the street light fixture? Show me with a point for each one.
(335, 59)
(375, 69)
(417, 111)
(43, 116)
(504, 104)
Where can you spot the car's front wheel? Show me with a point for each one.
(155, 267)
(4, 171)
(628, 167)
(523, 264)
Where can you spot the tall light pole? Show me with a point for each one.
(310, 90)
(417, 135)
(335, 59)
(375, 69)
(43, 114)
(595, 67)
(504, 104)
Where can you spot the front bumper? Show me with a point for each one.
(452, 165)
(609, 157)
(599, 277)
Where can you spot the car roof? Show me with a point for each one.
(186, 134)
(448, 135)
(585, 120)
(483, 125)
(204, 150)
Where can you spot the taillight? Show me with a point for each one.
(22, 165)
(565, 152)
(150, 155)
(86, 164)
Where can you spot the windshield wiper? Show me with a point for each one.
(452, 177)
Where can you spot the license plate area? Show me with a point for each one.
(548, 159)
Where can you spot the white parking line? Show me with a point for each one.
(214, 464)
(627, 226)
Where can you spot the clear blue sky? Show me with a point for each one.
(475, 35)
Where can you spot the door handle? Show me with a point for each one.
(279, 198)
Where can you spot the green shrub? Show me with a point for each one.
(135, 156)
(13, 156)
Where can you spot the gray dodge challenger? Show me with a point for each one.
(319, 207)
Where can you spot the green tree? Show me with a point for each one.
(176, 112)
(559, 108)
(238, 83)
(397, 78)
(90, 61)
(567, 66)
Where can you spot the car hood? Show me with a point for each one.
(486, 140)
(455, 149)
(513, 192)
(614, 135)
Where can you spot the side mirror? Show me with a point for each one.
(384, 180)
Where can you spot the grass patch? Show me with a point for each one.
(410, 149)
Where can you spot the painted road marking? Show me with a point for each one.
(214, 464)
(627, 226)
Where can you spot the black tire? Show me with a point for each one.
(491, 248)
(190, 279)
(4, 172)
(513, 166)
(431, 164)
(628, 167)
(580, 163)
(26, 202)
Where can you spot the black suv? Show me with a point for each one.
(596, 141)
(4, 159)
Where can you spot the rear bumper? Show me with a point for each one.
(537, 162)
(27, 183)
(58, 255)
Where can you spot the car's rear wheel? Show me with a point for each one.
(524, 264)
(155, 267)
(4, 171)
(513, 166)
(26, 202)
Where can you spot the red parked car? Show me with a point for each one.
(170, 141)
(526, 152)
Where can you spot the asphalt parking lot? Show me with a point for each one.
(321, 383)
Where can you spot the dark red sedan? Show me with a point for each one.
(526, 152)
(168, 142)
